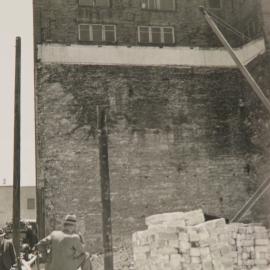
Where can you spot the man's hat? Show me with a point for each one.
(2, 232)
(70, 220)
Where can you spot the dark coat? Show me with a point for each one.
(8, 254)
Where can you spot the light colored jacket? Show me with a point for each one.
(66, 250)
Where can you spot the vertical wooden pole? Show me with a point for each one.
(105, 188)
(40, 213)
(17, 152)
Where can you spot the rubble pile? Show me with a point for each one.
(250, 246)
(184, 241)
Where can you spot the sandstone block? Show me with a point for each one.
(195, 252)
(261, 242)
(175, 260)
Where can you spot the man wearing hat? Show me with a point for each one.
(65, 248)
(7, 253)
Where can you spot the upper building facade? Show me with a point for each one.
(142, 22)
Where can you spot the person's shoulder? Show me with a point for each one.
(8, 242)
(75, 236)
(56, 232)
(56, 235)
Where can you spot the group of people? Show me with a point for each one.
(60, 250)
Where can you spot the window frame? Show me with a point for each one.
(150, 37)
(94, 4)
(216, 8)
(157, 4)
(103, 32)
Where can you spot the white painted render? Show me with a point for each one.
(147, 56)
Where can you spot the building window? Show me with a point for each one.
(83, 13)
(158, 4)
(30, 204)
(215, 4)
(95, 3)
(97, 32)
(155, 35)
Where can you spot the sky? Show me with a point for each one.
(16, 20)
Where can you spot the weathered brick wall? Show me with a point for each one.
(265, 14)
(178, 140)
(57, 21)
(258, 120)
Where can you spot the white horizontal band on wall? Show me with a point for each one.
(146, 56)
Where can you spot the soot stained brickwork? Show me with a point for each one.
(178, 140)
(258, 120)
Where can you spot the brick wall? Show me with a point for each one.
(57, 21)
(178, 140)
(258, 119)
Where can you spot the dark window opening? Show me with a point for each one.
(31, 204)
(168, 36)
(84, 34)
(215, 4)
(97, 32)
(109, 31)
(158, 4)
(83, 13)
(155, 35)
(144, 35)
(167, 4)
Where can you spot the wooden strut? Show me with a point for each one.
(256, 88)
(258, 91)
(252, 200)
(17, 152)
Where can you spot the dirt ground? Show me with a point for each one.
(122, 261)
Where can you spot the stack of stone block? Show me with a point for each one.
(179, 219)
(250, 246)
(182, 241)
